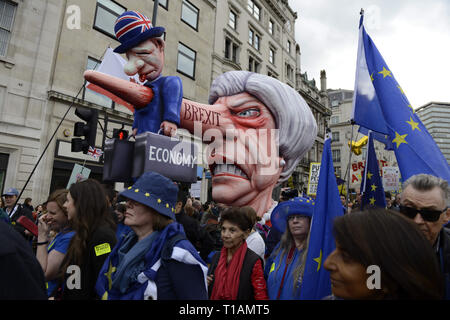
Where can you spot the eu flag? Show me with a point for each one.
(371, 185)
(316, 280)
(380, 105)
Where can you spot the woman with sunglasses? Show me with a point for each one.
(381, 255)
(285, 266)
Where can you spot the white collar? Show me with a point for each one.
(266, 216)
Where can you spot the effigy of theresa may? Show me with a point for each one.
(256, 128)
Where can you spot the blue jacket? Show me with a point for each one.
(273, 272)
(171, 270)
(165, 105)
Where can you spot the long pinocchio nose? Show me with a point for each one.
(192, 114)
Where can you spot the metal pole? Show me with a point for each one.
(155, 11)
(349, 163)
(48, 144)
(54, 133)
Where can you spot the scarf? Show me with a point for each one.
(226, 277)
(131, 260)
(139, 259)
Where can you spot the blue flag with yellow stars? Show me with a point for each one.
(380, 105)
(316, 282)
(371, 185)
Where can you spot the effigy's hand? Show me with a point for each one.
(169, 128)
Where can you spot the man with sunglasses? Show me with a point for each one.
(424, 200)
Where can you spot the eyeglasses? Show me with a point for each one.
(426, 214)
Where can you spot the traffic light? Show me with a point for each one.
(87, 129)
(120, 134)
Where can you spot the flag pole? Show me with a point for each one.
(155, 11)
(349, 163)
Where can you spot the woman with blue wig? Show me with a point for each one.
(284, 267)
(154, 260)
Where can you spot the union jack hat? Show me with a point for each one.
(132, 28)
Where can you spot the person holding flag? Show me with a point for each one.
(285, 266)
(371, 185)
(380, 104)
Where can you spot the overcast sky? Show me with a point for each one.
(413, 37)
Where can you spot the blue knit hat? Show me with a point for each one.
(131, 28)
(294, 206)
(155, 191)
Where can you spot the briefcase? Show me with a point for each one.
(172, 157)
(118, 164)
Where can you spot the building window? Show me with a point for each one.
(189, 14)
(272, 56)
(4, 157)
(334, 120)
(271, 27)
(231, 50)
(253, 65)
(186, 60)
(163, 3)
(288, 46)
(254, 39)
(254, 9)
(232, 19)
(92, 96)
(288, 26)
(7, 13)
(335, 136)
(336, 154)
(337, 171)
(106, 14)
(289, 72)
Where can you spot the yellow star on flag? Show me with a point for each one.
(319, 260)
(371, 76)
(410, 106)
(401, 90)
(374, 187)
(399, 139)
(369, 175)
(372, 201)
(414, 125)
(108, 274)
(385, 73)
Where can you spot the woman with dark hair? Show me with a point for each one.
(50, 254)
(390, 244)
(285, 266)
(236, 272)
(27, 204)
(94, 238)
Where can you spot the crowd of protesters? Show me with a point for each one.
(153, 241)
